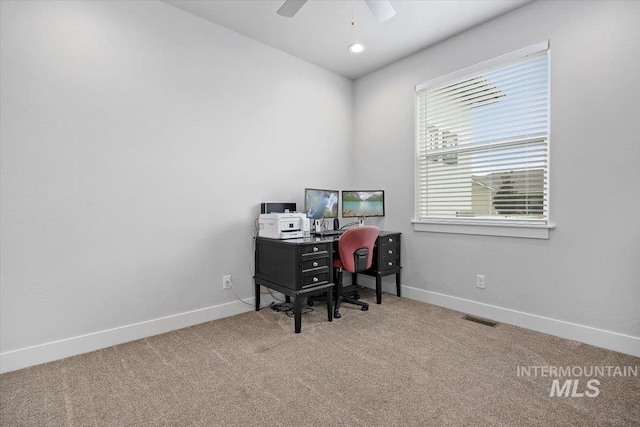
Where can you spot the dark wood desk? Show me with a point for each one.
(299, 268)
(386, 261)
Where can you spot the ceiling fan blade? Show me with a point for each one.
(381, 9)
(291, 7)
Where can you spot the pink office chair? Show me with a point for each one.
(355, 248)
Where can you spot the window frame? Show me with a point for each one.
(511, 227)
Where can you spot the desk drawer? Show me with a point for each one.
(390, 251)
(388, 263)
(309, 264)
(315, 279)
(315, 249)
(393, 239)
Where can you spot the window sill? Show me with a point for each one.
(528, 231)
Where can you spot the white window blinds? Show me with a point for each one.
(482, 142)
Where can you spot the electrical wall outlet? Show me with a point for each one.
(480, 281)
(226, 282)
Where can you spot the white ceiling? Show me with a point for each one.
(321, 31)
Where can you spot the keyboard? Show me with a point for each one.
(329, 233)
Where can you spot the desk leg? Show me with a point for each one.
(297, 312)
(330, 304)
(257, 297)
(378, 289)
(398, 283)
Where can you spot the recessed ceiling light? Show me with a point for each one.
(357, 48)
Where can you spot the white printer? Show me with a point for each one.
(284, 225)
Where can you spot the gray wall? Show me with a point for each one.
(137, 144)
(588, 272)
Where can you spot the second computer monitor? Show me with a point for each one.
(320, 203)
(362, 204)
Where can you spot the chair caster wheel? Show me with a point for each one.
(337, 315)
(364, 308)
(310, 303)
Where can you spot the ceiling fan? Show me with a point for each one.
(381, 9)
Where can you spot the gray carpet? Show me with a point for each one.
(401, 363)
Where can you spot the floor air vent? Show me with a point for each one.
(481, 321)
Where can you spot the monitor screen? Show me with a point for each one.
(362, 203)
(320, 203)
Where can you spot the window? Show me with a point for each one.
(482, 143)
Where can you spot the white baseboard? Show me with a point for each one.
(48, 352)
(600, 338)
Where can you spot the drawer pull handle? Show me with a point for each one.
(390, 240)
(390, 251)
(315, 249)
(315, 263)
(315, 280)
(389, 263)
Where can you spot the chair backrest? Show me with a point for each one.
(354, 239)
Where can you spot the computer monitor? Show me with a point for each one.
(362, 204)
(320, 204)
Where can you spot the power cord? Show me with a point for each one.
(272, 295)
(348, 225)
(287, 308)
(233, 289)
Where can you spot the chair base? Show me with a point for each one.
(340, 296)
(363, 305)
(351, 291)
